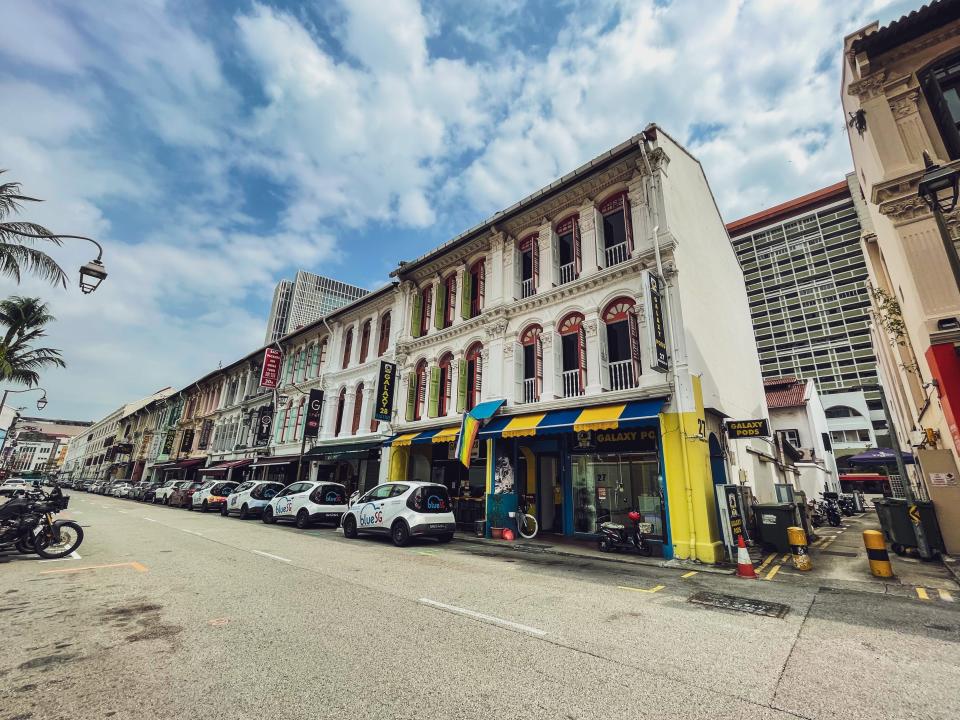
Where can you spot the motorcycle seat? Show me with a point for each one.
(612, 526)
(12, 508)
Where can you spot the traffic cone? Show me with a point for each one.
(744, 565)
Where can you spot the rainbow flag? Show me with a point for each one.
(473, 420)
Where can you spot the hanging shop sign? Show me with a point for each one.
(264, 424)
(205, 432)
(168, 443)
(656, 333)
(632, 440)
(739, 429)
(386, 389)
(314, 409)
(270, 374)
(186, 440)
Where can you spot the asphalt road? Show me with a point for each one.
(172, 614)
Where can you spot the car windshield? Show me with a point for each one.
(244, 486)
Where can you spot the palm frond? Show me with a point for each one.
(15, 258)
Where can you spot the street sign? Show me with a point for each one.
(386, 388)
(914, 514)
(738, 429)
(314, 408)
(270, 374)
(656, 333)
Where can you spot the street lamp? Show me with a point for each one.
(41, 404)
(91, 274)
(939, 188)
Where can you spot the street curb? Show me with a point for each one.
(668, 564)
(952, 566)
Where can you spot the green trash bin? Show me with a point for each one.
(772, 521)
(898, 527)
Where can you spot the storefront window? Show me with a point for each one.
(607, 486)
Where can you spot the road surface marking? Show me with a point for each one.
(766, 561)
(135, 565)
(773, 571)
(149, 519)
(122, 512)
(689, 574)
(785, 557)
(480, 616)
(72, 556)
(275, 557)
(655, 588)
(192, 532)
(922, 593)
(946, 595)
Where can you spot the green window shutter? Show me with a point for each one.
(440, 306)
(461, 386)
(411, 395)
(416, 315)
(465, 292)
(433, 408)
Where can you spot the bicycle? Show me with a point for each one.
(526, 523)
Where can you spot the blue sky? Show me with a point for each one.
(217, 147)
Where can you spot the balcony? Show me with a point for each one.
(568, 273)
(531, 392)
(621, 375)
(571, 383)
(617, 254)
(527, 288)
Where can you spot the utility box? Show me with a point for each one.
(772, 521)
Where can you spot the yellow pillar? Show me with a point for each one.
(689, 481)
(877, 554)
(399, 461)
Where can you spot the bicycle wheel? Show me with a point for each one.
(527, 525)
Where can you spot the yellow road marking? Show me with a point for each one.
(135, 565)
(946, 595)
(654, 589)
(766, 561)
(689, 574)
(785, 557)
(773, 571)
(922, 593)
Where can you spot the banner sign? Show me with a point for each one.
(656, 333)
(314, 409)
(205, 432)
(738, 429)
(735, 512)
(186, 441)
(386, 387)
(264, 424)
(270, 374)
(168, 443)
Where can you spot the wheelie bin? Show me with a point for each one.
(772, 521)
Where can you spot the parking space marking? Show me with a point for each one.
(72, 556)
(134, 565)
(922, 593)
(785, 557)
(689, 574)
(275, 557)
(773, 571)
(148, 519)
(766, 561)
(655, 588)
(192, 532)
(946, 595)
(483, 618)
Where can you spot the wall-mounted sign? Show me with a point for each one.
(205, 432)
(314, 410)
(186, 440)
(633, 439)
(270, 374)
(737, 429)
(386, 389)
(168, 443)
(656, 332)
(264, 424)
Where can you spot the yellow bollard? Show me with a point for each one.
(798, 548)
(877, 553)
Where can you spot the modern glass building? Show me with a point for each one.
(304, 300)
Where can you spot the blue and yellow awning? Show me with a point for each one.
(448, 434)
(597, 417)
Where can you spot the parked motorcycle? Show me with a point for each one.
(815, 513)
(831, 509)
(27, 524)
(846, 505)
(614, 536)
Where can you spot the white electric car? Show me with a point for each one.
(250, 498)
(307, 503)
(166, 490)
(403, 510)
(213, 495)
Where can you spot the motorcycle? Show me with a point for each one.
(614, 536)
(846, 505)
(831, 510)
(27, 525)
(816, 514)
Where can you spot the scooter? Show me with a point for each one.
(815, 512)
(615, 537)
(832, 510)
(846, 505)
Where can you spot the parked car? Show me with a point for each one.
(121, 489)
(141, 489)
(183, 495)
(402, 510)
(164, 492)
(95, 486)
(213, 495)
(250, 498)
(308, 502)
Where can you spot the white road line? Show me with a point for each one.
(275, 557)
(72, 556)
(192, 532)
(480, 616)
(148, 519)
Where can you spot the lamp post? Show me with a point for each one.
(91, 274)
(41, 404)
(939, 190)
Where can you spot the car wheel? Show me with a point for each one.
(303, 519)
(245, 512)
(446, 537)
(400, 533)
(350, 527)
(188, 505)
(166, 501)
(205, 507)
(224, 510)
(267, 515)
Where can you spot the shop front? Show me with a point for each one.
(181, 470)
(278, 468)
(355, 465)
(230, 470)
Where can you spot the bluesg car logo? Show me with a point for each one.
(434, 502)
(332, 497)
(369, 515)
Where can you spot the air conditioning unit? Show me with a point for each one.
(917, 437)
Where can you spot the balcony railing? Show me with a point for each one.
(617, 254)
(530, 390)
(527, 288)
(571, 383)
(621, 375)
(568, 273)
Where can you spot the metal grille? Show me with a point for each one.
(617, 254)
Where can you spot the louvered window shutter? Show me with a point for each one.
(538, 360)
(411, 395)
(433, 411)
(535, 261)
(577, 252)
(441, 310)
(415, 314)
(462, 385)
(628, 222)
(465, 292)
(582, 357)
(633, 323)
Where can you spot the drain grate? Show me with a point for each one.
(838, 553)
(740, 604)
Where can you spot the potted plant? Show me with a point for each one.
(496, 517)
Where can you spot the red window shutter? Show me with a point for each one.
(582, 357)
(482, 278)
(577, 254)
(538, 363)
(384, 335)
(347, 348)
(357, 409)
(627, 223)
(632, 323)
(427, 312)
(535, 260)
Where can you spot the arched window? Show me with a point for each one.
(357, 409)
(570, 256)
(445, 384)
(298, 424)
(301, 373)
(347, 348)
(281, 427)
(341, 403)
(384, 342)
(364, 341)
(322, 354)
(474, 287)
(573, 348)
(473, 377)
(617, 229)
(622, 344)
(528, 266)
(529, 365)
(313, 359)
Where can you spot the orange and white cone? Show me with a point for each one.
(744, 565)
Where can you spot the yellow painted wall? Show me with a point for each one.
(690, 495)
(399, 460)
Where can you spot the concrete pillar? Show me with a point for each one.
(549, 272)
(591, 327)
(588, 239)
(550, 379)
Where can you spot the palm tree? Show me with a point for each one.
(18, 252)
(25, 319)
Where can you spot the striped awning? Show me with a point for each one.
(403, 440)
(447, 435)
(598, 417)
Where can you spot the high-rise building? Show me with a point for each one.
(806, 282)
(305, 300)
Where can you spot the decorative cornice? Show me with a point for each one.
(868, 87)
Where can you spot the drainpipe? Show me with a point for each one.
(675, 380)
